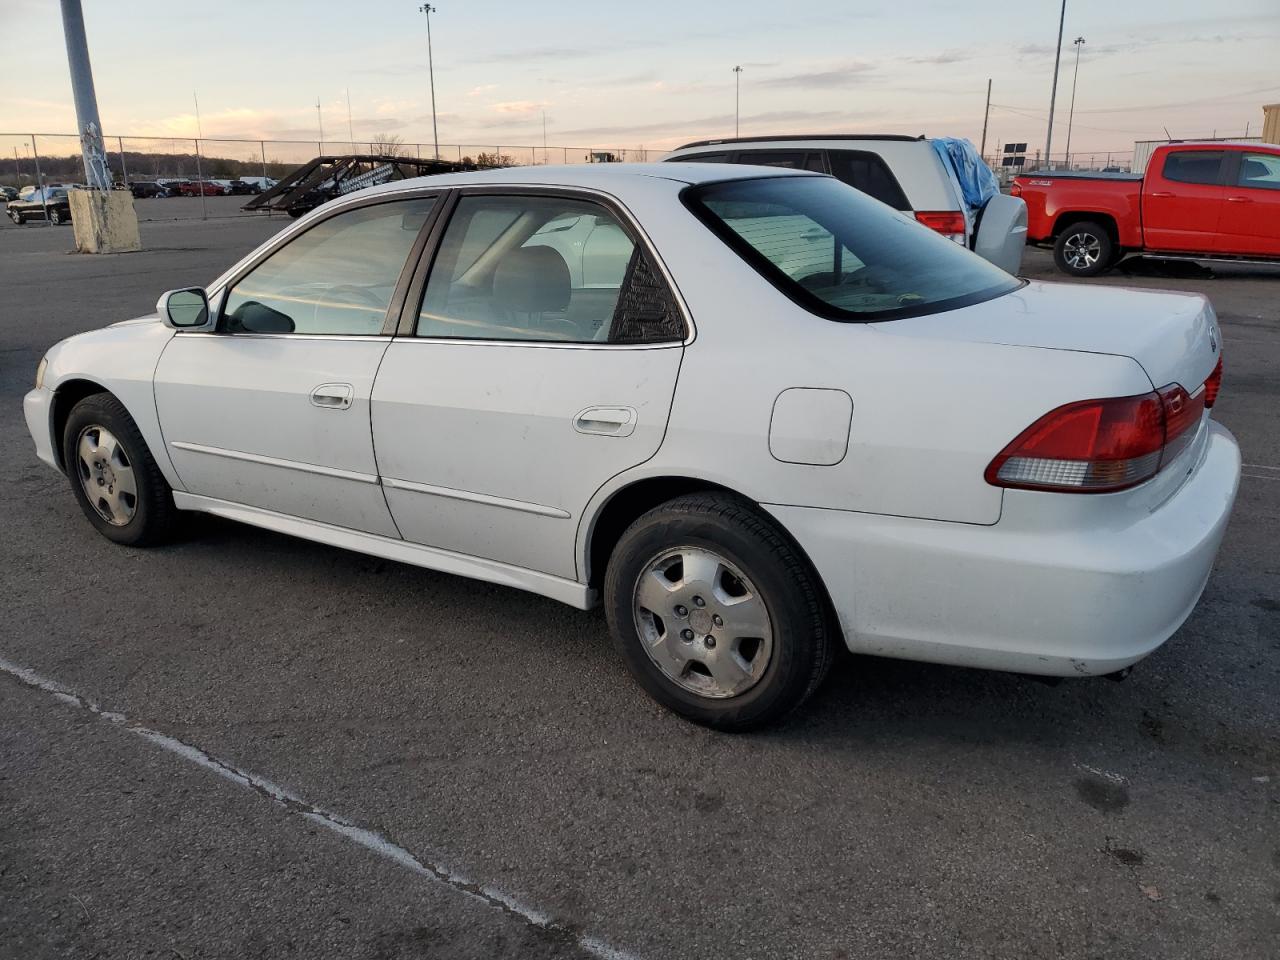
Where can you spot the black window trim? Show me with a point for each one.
(412, 302)
(222, 290)
(689, 196)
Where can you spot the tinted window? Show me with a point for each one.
(839, 253)
(1260, 170)
(870, 174)
(336, 278)
(704, 158)
(545, 269)
(792, 159)
(1193, 166)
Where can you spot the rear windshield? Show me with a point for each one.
(841, 254)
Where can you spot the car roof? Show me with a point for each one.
(612, 178)
(798, 137)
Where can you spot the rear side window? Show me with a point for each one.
(704, 158)
(841, 255)
(869, 173)
(1260, 170)
(791, 159)
(1194, 166)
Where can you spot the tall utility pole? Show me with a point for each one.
(737, 96)
(1071, 115)
(1053, 97)
(986, 116)
(320, 124)
(428, 9)
(351, 130)
(92, 149)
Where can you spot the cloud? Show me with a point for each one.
(940, 59)
(519, 108)
(482, 89)
(834, 76)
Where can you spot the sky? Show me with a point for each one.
(653, 75)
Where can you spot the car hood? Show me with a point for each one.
(1173, 336)
(150, 318)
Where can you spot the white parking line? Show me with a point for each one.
(375, 842)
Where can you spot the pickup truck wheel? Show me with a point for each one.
(717, 615)
(1083, 249)
(114, 477)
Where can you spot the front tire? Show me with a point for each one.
(113, 476)
(56, 216)
(716, 614)
(1084, 249)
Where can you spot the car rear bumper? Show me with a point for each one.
(36, 408)
(1052, 598)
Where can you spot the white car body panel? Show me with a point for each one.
(471, 458)
(240, 424)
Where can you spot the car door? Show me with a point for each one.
(1250, 224)
(527, 373)
(272, 410)
(1182, 201)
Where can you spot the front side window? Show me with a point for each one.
(841, 254)
(1261, 170)
(545, 269)
(1193, 166)
(336, 278)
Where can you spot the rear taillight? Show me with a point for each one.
(1100, 446)
(948, 222)
(1016, 189)
(1213, 384)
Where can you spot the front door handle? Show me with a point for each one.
(1162, 194)
(333, 396)
(606, 421)
(1239, 199)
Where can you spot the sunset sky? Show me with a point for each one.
(655, 74)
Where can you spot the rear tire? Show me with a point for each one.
(55, 215)
(113, 476)
(1084, 249)
(716, 613)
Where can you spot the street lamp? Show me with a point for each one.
(737, 96)
(1053, 96)
(1079, 43)
(428, 9)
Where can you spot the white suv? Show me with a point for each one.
(907, 173)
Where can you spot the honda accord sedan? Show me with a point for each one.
(758, 414)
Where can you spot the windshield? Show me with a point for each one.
(841, 254)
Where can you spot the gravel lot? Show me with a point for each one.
(318, 754)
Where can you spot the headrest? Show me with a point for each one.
(532, 280)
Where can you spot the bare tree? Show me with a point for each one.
(495, 160)
(388, 145)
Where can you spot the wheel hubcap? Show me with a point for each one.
(1082, 250)
(702, 622)
(106, 475)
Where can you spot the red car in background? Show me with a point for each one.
(1197, 201)
(193, 188)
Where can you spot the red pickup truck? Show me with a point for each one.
(1197, 201)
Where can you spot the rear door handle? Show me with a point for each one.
(606, 421)
(1162, 194)
(1239, 200)
(333, 396)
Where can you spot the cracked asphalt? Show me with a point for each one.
(910, 810)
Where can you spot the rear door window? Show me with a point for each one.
(869, 173)
(791, 159)
(1194, 166)
(1260, 170)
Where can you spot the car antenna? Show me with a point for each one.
(1168, 134)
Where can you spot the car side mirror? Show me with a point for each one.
(184, 309)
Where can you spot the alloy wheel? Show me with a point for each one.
(1082, 250)
(702, 622)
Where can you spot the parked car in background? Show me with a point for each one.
(755, 458)
(242, 188)
(907, 173)
(50, 202)
(194, 188)
(146, 189)
(8, 193)
(1198, 201)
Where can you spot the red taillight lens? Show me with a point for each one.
(1016, 189)
(1213, 384)
(950, 222)
(1099, 446)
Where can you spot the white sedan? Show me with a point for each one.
(760, 414)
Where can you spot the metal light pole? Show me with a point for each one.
(986, 117)
(737, 96)
(89, 126)
(1053, 97)
(320, 124)
(428, 9)
(351, 130)
(1071, 115)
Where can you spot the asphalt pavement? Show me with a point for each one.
(244, 745)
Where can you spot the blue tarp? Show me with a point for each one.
(977, 182)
